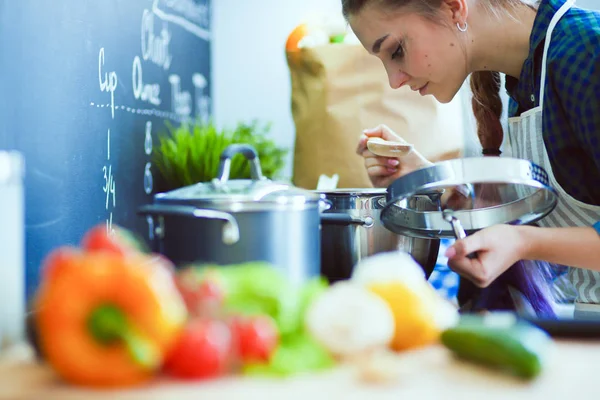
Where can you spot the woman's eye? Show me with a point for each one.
(398, 53)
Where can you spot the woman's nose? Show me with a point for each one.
(397, 79)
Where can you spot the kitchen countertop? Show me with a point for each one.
(430, 373)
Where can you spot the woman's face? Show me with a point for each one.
(428, 56)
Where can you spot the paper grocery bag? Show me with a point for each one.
(337, 91)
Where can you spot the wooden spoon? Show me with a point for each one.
(386, 148)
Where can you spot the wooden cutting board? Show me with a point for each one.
(430, 373)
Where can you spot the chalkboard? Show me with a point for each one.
(85, 87)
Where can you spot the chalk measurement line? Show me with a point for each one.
(145, 111)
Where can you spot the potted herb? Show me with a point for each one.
(190, 153)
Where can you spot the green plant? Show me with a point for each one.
(190, 153)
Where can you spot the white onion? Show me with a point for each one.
(387, 267)
(348, 319)
(399, 266)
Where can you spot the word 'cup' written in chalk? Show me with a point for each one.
(108, 81)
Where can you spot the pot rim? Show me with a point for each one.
(354, 191)
(290, 204)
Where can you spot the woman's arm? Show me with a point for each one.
(499, 247)
(576, 247)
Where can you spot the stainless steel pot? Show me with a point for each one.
(233, 221)
(352, 230)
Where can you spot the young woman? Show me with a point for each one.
(550, 53)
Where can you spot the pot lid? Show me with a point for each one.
(257, 192)
(354, 191)
(478, 192)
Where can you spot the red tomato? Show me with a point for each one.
(202, 351)
(256, 337)
(203, 298)
(98, 238)
(211, 290)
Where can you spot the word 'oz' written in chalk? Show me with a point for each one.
(108, 81)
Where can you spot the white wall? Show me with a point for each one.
(591, 4)
(250, 74)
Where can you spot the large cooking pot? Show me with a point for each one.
(230, 221)
(343, 244)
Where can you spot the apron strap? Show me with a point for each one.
(555, 19)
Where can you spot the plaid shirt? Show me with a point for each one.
(571, 122)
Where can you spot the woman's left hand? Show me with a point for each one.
(497, 247)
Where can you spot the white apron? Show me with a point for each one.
(525, 140)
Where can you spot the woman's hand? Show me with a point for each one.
(384, 170)
(498, 248)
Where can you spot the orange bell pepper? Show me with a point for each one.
(104, 319)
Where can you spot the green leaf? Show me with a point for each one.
(296, 355)
(190, 153)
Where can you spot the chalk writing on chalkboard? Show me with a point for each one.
(91, 85)
(181, 101)
(154, 48)
(148, 180)
(108, 81)
(109, 188)
(193, 17)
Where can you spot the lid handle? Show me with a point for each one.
(249, 152)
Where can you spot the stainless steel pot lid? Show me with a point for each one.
(258, 193)
(354, 191)
(495, 191)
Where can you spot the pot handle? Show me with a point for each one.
(225, 163)
(346, 219)
(231, 230)
(457, 227)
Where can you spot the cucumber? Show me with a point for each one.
(499, 341)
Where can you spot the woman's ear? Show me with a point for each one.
(456, 10)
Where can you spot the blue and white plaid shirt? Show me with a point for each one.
(442, 278)
(571, 109)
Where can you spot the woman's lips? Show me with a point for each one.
(420, 89)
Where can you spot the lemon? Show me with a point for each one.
(420, 313)
(414, 321)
